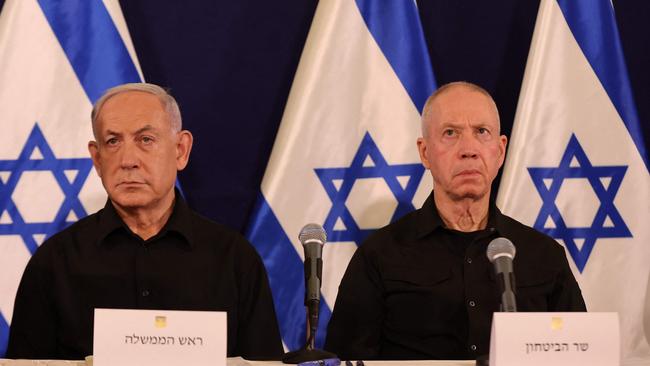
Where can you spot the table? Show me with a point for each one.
(236, 361)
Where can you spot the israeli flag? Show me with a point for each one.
(577, 168)
(345, 155)
(56, 58)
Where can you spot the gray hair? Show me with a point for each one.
(426, 111)
(169, 103)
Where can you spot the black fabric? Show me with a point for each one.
(192, 264)
(417, 290)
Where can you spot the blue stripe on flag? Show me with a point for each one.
(286, 277)
(92, 44)
(4, 335)
(395, 26)
(593, 24)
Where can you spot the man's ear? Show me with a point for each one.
(503, 142)
(93, 149)
(422, 150)
(183, 149)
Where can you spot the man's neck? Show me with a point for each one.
(147, 222)
(466, 214)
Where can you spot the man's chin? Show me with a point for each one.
(130, 200)
(469, 193)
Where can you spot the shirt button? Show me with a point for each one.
(145, 293)
(473, 347)
(472, 303)
(469, 260)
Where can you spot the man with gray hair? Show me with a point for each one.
(422, 287)
(145, 249)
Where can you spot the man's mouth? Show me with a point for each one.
(468, 173)
(130, 183)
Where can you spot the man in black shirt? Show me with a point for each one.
(145, 249)
(422, 287)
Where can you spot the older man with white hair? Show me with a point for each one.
(146, 249)
(422, 287)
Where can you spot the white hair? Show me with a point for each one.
(426, 111)
(169, 103)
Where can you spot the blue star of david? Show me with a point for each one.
(357, 170)
(605, 195)
(57, 167)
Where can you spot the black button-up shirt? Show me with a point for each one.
(417, 290)
(98, 262)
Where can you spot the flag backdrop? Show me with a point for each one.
(56, 59)
(576, 166)
(345, 155)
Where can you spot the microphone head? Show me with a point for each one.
(500, 247)
(312, 232)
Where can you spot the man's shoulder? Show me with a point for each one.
(69, 236)
(85, 225)
(403, 230)
(529, 242)
(207, 227)
(522, 231)
(207, 231)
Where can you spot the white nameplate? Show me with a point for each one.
(159, 337)
(556, 339)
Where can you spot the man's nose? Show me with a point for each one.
(467, 148)
(129, 157)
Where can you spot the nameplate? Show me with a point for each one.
(159, 337)
(556, 339)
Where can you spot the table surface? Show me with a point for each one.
(235, 361)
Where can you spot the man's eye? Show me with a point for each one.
(111, 141)
(483, 131)
(449, 132)
(146, 139)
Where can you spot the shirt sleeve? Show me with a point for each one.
(566, 295)
(355, 328)
(32, 333)
(258, 336)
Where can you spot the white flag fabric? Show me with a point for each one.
(56, 58)
(577, 168)
(345, 155)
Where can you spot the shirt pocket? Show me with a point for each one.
(416, 296)
(533, 289)
(418, 279)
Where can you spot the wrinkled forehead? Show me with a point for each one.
(462, 104)
(132, 107)
(131, 99)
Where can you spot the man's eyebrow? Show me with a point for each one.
(145, 129)
(461, 124)
(451, 124)
(139, 131)
(113, 133)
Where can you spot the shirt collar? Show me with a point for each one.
(179, 222)
(429, 219)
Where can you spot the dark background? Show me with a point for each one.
(230, 64)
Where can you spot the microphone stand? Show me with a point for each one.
(501, 253)
(309, 352)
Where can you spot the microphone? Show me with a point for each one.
(501, 253)
(313, 237)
